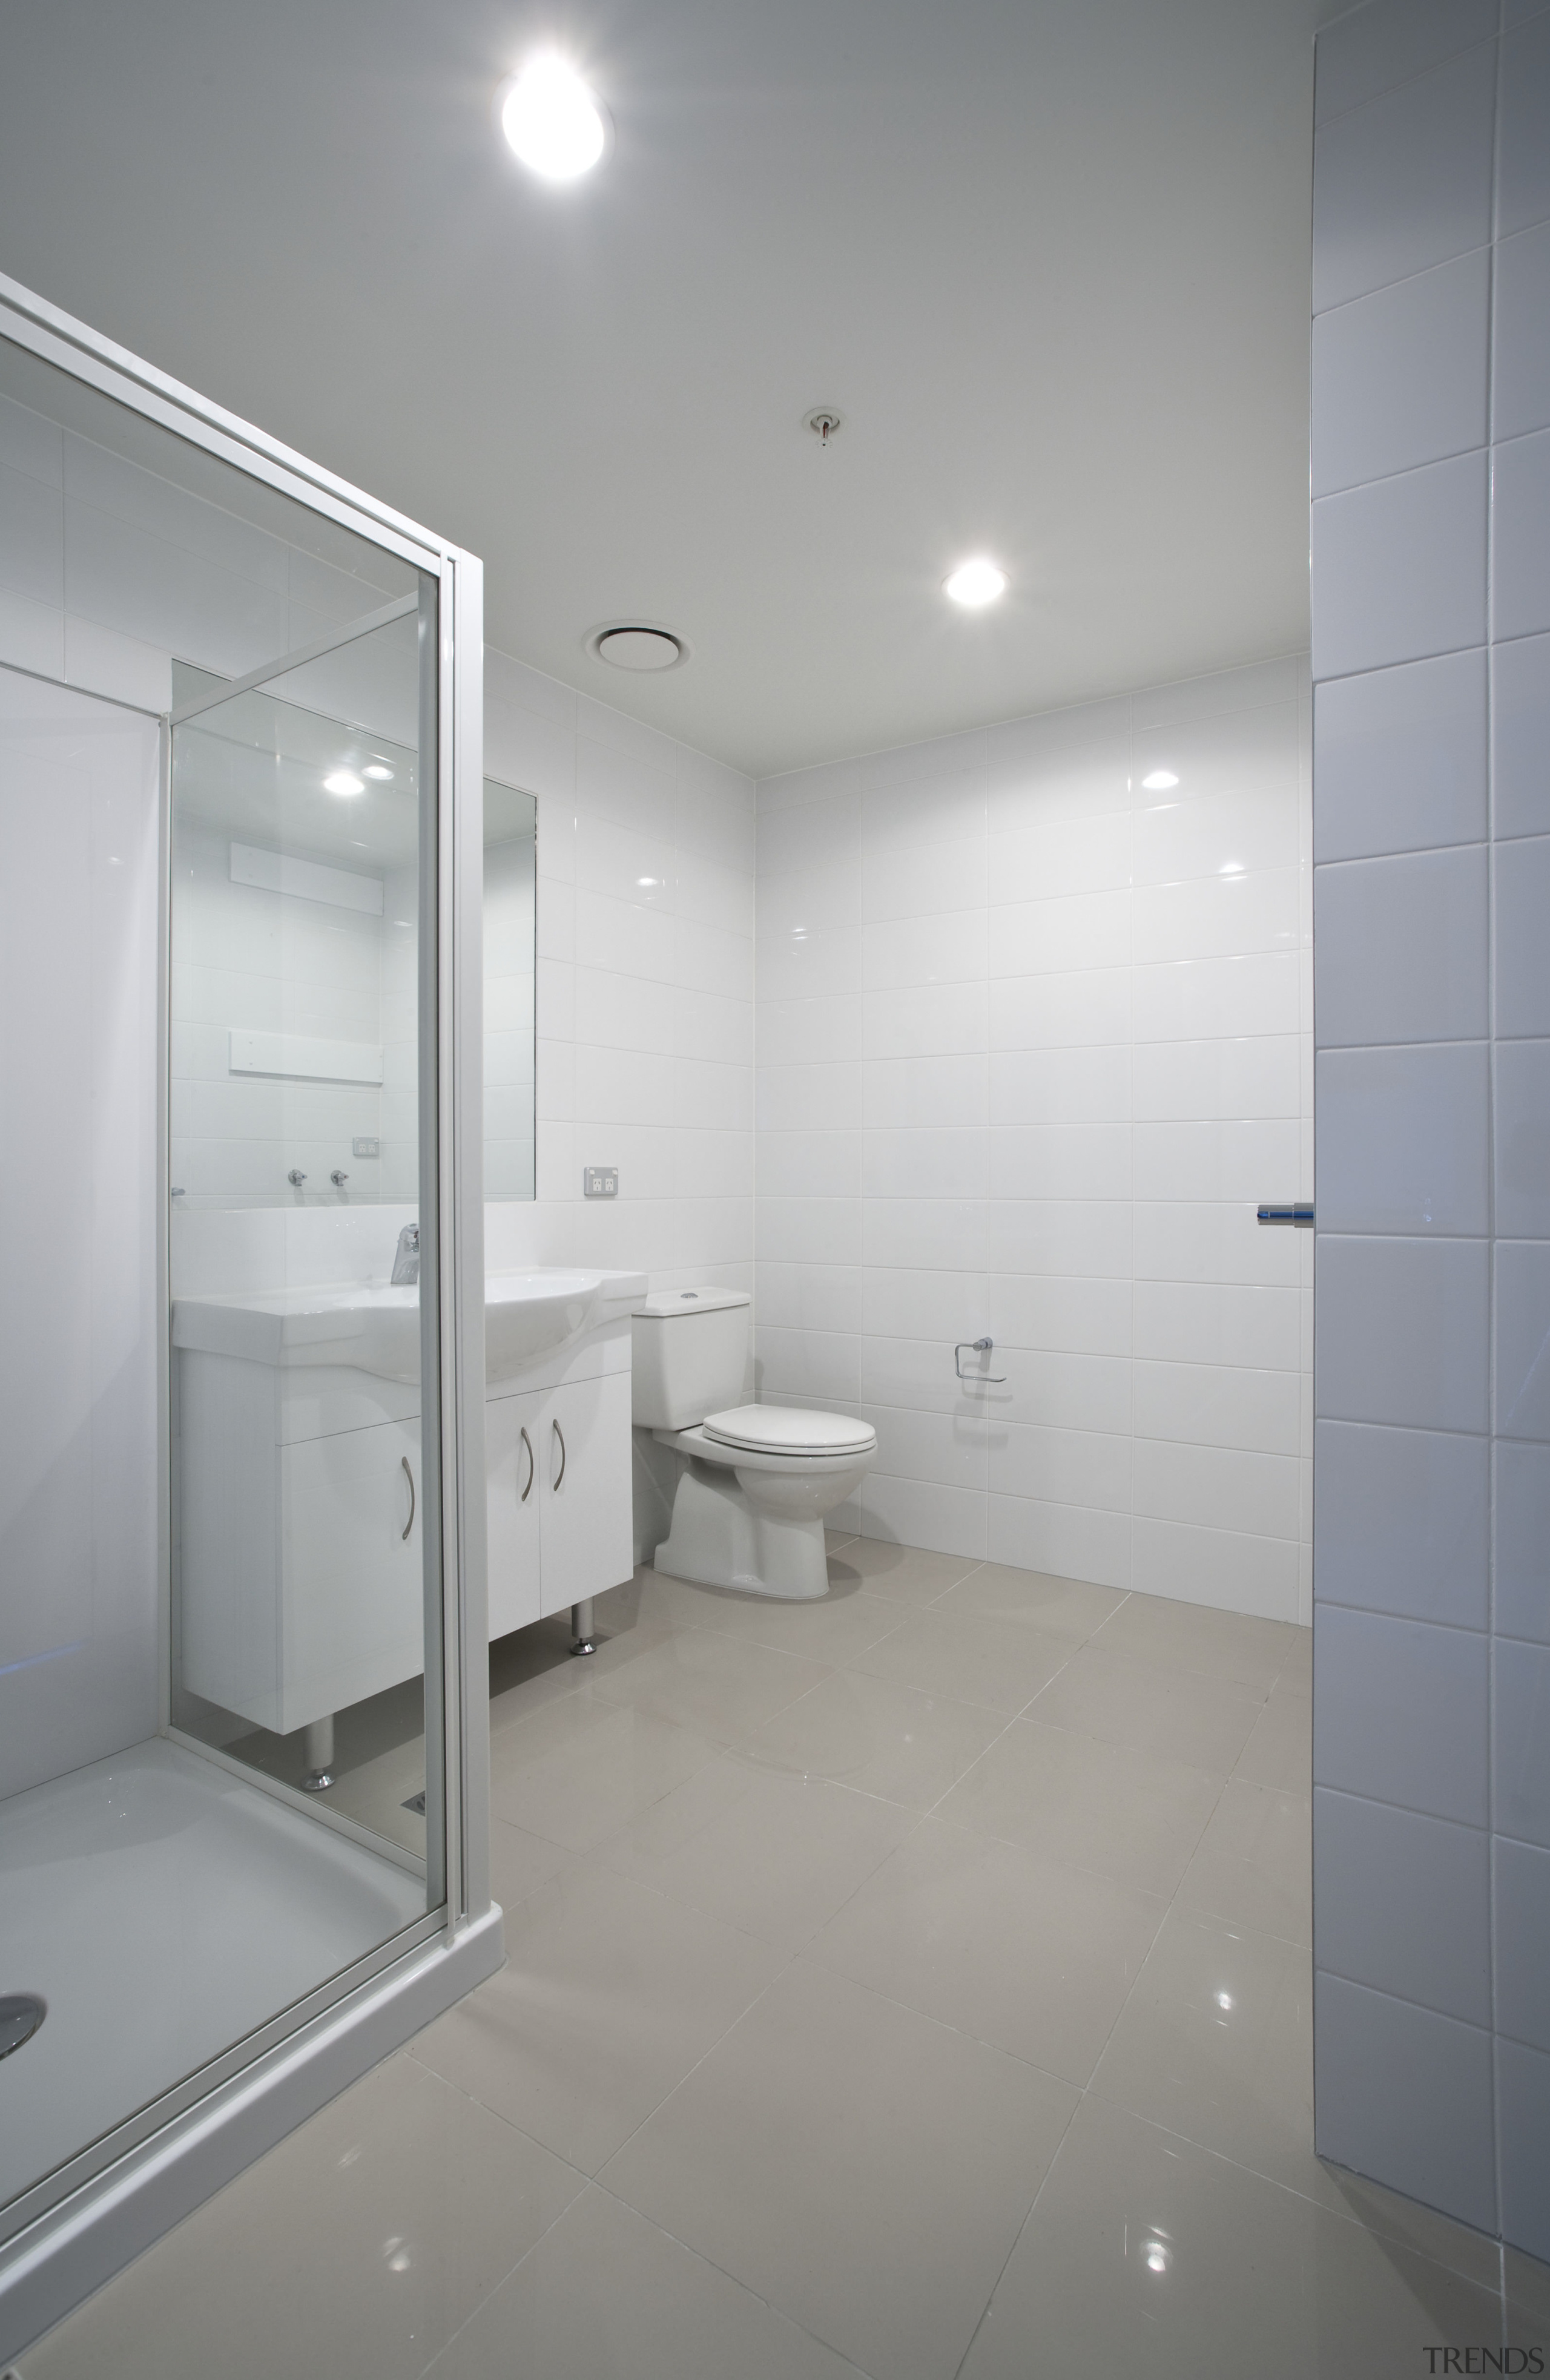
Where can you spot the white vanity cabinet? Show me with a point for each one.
(559, 1511)
(300, 1535)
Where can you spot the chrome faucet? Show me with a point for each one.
(405, 1260)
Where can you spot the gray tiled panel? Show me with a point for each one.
(1522, 1557)
(1399, 759)
(1521, 559)
(1521, 1119)
(1401, 946)
(1402, 1522)
(1523, 2113)
(1399, 376)
(1399, 568)
(1402, 1332)
(1400, 1713)
(1523, 152)
(1520, 700)
(1521, 1739)
(1522, 949)
(1521, 313)
(1373, 48)
(1405, 2095)
(1522, 1902)
(1403, 1139)
(1524, 1339)
(1404, 1904)
(1404, 182)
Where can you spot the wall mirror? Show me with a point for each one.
(295, 826)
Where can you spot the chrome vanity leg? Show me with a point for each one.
(319, 1756)
(581, 1637)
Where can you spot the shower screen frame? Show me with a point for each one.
(82, 2221)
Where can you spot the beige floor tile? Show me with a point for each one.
(354, 2249)
(834, 1538)
(609, 1994)
(904, 1574)
(1203, 1721)
(1130, 1815)
(578, 1769)
(864, 2169)
(878, 1738)
(1527, 2301)
(1149, 2259)
(1255, 1862)
(1062, 1606)
(773, 1854)
(607, 2296)
(520, 1863)
(1229, 1646)
(374, 1795)
(1216, 2042)
(1002, 1663)
(1032, 1957)
(1280, 1747)
(1297, 1671)
(843, 1622)
(717, 1685)
(1421, 2229)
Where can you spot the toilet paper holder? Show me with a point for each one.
(975, 1347)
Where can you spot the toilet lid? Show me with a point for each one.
(788, 1430)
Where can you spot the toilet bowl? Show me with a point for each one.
(756, 1481)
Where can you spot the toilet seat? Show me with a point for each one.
(788, 1429)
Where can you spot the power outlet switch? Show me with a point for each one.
(600, 1181)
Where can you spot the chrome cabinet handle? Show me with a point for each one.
(560, 1435)
(409, 1477)
(975, 1347)
(531, 1468)
(1301, 1214)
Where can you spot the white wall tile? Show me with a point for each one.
(1521, 1717)
(1402, 948)
(945, 1234)
(1044, 1311)
(1061, 1010)
(1403, 1333)
(919, 881)
(1405, 181)
(31, 538)
(1052, 857)
(1520, 572)
(1370, 50)
(809, 1032)
(1523, 1942)
(817, 1367)
(1082, 930)
(1400, 564)
(1184, 1240)
(1399, 376)
(1520, 704)
(1213, 834)
(32, 635)
(1196, 1000)
(1219, 1566)
(938, 1092)
(1060, 1087)
(1404, 1904)
(1404, 1140)
(1521, 1575)
(947, 1448)
(1402, 1522)
(914, 1303)
(1066, 1539)
(922, 1512)
(1215, 1160)
(1407, 2093)
(1524, 172)
(1523, 2120)
(1400, 1713)
(1067, 1237)
(926, 1020)
(1255, 1075)
(1520, 368)
(809, 1098)
(1228, 1406)
(810, 1164)
(923, 950)
(1218, 1322)
(1523, 1383)
(1218, 1487)
(944, 1164)
(1399, 759)
(1074, 1160)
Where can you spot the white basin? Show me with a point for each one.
(375, 1328)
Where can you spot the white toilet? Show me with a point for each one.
(756, 1481)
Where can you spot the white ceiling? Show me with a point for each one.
(1049, 258)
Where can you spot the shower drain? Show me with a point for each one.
(20, 2015)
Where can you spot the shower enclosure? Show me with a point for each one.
(243, 1773)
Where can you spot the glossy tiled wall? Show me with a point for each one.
(1431, 843)
(1032, 1043)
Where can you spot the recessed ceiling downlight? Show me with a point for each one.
(976, 582)
(553, 122)
(638, 648)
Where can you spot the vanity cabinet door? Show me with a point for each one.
(584, 1458)
(353, 1595)
(513, 1434)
